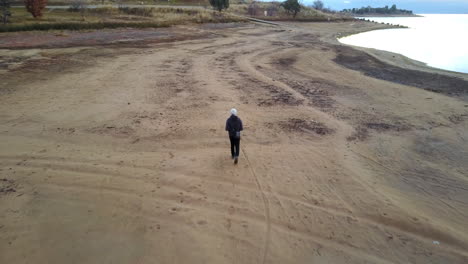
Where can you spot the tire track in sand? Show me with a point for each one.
(266, 207)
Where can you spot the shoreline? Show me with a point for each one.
(391, 57)
(384, 15)
(405, 65)
(388, 57)
(401, 60)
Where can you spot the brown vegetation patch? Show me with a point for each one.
(370, 66)
(318, 92)
(115, 131)
(362, 130)
(286, 62)
(381, 127)
(279, 43)
(278, 96)
(307, 126)
(458, 118)
(67, 131)
(266, 94)
(5, 61)
(53, 64)
(108, 37)
(7, 186)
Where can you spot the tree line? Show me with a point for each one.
(393, 10)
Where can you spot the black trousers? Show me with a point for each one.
(235, 150)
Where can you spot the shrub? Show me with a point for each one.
(219, 4)
(146, 12)
(292, 6)
(35, 7)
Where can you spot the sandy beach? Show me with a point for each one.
(113, 149)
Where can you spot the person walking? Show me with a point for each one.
(234, 127)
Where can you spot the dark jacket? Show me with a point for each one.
(233, 125)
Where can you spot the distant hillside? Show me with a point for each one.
(392, 11)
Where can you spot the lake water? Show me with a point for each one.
(439, 40)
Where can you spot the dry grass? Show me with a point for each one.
(125, 2)
(111, 17)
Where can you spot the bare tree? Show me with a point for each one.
(318, 5)
(78, 6)
(5, 10)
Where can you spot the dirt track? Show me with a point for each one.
(117, 154)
